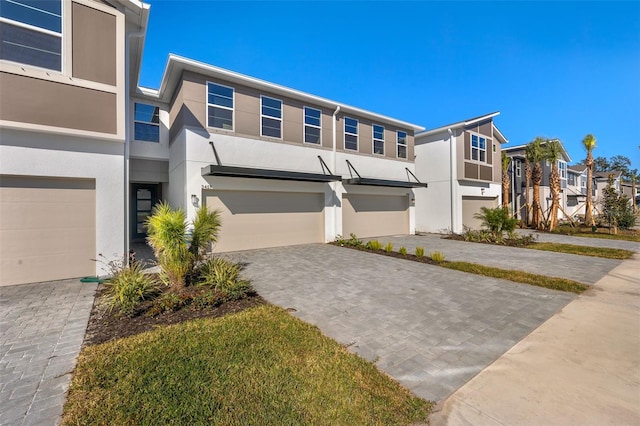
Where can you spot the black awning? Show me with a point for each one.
(249, 172)
(384, 182)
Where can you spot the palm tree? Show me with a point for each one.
(552, 152)
(534, 153)
(505, 180)
(589, 143)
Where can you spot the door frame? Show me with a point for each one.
(154, 188)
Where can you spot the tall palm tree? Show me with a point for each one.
(589, 143)
(505, 180)
(534, 153)
(552, 153)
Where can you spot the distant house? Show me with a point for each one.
(576, 190)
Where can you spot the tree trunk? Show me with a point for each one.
(505, 189)
(588, 209)
(527, 196)
(554, 185)
(537, 179)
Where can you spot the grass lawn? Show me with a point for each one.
(609, 253)
(621, 237)
(259, 366)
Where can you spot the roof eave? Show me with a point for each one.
(457, 125)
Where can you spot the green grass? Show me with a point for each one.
(609, 253)
(554, 283)
(621, 237)
(260, 366)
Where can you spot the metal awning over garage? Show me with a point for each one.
(384, 182)
(249, 172)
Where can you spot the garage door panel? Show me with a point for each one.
(47, 229)
(252, 219)
(375, 215)
(471, 206)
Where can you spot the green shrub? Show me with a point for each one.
(374, 245)
(168, 302)
(627, 219)
(224, 276)
(437, 256)
(208, 298)
(419, 251)
(402, 250)
(389, 247)
(497, 220)
(354, 241)
(128, 287)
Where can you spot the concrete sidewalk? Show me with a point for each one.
(582, 366)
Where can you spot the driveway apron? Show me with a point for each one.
(42, 327)
(430, 328)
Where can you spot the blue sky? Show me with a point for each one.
(555, 69)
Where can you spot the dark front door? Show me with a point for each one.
(143, 198)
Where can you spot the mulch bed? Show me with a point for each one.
(105, 326)
(423, 259)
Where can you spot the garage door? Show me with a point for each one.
(471, 206)
(47, 229)
(375, 215)
(257, 219)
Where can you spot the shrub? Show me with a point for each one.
(437, 256)
(354, 241)
(374, 245)
(402, 250)
(419, 251)
(497, 220)
(389, 247)
(168, 302)
(208, 298)
(224, 276)
(627, 219)
(128, 287)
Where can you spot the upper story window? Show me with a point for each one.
(571, 179)
(518, 165)
(271, 117)
(378, 139)
(478, 148)
(220, 101)
(583, 181)
(401, 144)
(350, 133)
(312, 125)
(31, 32)
(562, 169)
(146, 123)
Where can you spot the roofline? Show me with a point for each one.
(459, 124)
(515, 147)
(176, 64)
(500, 134)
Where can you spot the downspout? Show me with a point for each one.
(451, 176)
(128, 137)
(334, 185)
(513, 189)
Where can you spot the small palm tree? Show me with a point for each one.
(552, 152)
(179, 251)
(506, 180)
(535, 154)
(497, 221)
(589, 143)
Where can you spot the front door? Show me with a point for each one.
(143, 197)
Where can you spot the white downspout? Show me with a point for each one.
(334, 185)
(451, 165)
(128, 138)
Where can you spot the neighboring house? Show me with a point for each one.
(601, 179)
(517, 155)
(65, 72)
(461, 163)
(283, 167)
(576, 191)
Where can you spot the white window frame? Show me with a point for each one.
(478, 148)
(232, 109)
(405, 144)
(262, 116)
(34, 28)
(345, 133)
(305, 125)
(145, 122)
(374, 139)
(583, 181)
(562, 169)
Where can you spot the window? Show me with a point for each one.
(312, 125)
(271, 117)
(518, 164)
(583, 181)
(31, 32)
(571, 179)
(562, 169)
(219, 106)
(378, 139)
(478, 148)
(350, 134)
(401, 143)
(146, 123)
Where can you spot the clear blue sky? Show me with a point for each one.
(555, 69)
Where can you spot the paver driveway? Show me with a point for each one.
(430, 328)
(42, 327)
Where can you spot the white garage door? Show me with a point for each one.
(375, 215)
(257, 219)
(471, 206)
(47, 229)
